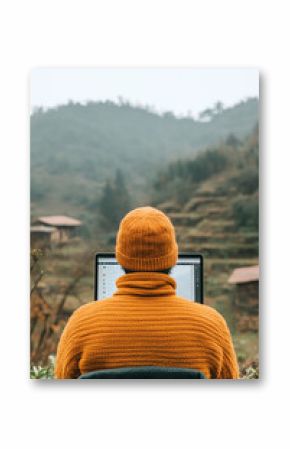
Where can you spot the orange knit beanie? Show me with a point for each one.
(146, 241)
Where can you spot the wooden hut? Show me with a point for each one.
(41, 236)
(64, 226)
(246, 297)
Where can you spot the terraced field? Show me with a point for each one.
(205, 224)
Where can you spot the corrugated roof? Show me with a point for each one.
(244, 274)
(45, 229)
(59, 220)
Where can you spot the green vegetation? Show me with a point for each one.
(76, 150)
(246, 212)
(202, 167)
(230, 172)
(181, 177)
(114, 202)
(43, 372)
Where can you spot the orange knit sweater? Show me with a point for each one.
(145, 323)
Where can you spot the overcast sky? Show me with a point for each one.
(167, 89)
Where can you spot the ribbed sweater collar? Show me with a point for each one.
(145, 284)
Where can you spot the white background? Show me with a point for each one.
(149, 33)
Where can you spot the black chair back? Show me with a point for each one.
(145, 372)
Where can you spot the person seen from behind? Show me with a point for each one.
(145, 323)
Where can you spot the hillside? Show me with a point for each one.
(215, 213)
(75, 148)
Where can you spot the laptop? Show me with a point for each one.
(188, 274)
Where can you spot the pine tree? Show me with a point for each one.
(107, 205)
(122, 195)
(114, 202)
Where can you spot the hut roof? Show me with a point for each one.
(59, 220)
(40, 229)
(244, 275)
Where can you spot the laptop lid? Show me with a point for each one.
(188, 274)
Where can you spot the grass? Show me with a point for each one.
(43, 372)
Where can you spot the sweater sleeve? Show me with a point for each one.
(229, 368)
(68, 351)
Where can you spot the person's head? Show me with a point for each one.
(146, 241)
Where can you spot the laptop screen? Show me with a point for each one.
(188, 274)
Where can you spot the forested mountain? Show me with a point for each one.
(223, 180)
(76, 148)
(213, 202)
